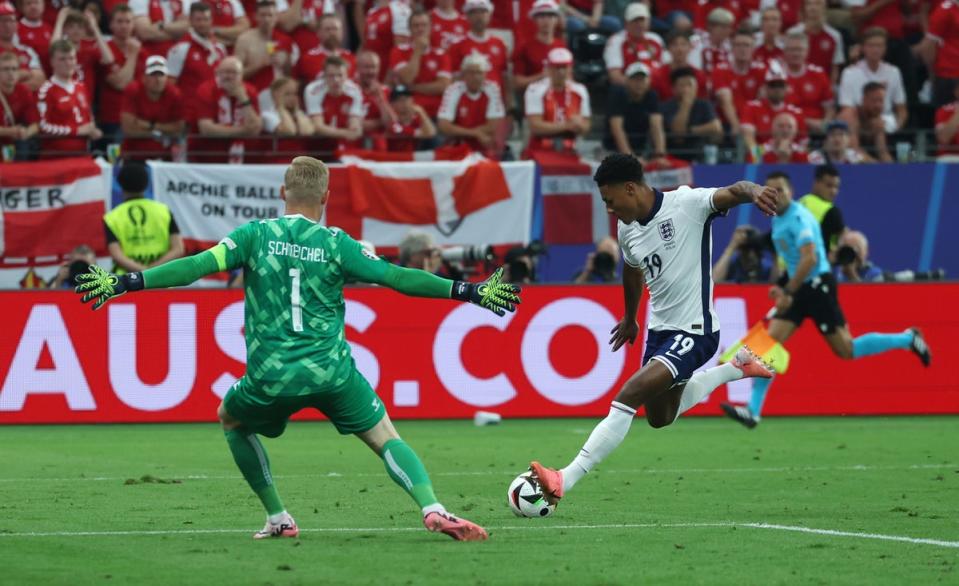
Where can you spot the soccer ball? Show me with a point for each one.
(526, 499)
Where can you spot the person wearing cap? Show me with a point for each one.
(31, 71)
(425, 69)
(633, 118)
(387, 25)
(309, 66)
(411, 123)
(783, 146)
(19, 119)
(583, 15)
(193, 60)
(808, 86)
(447, 25)
(679, 45)
(128, 63)
(835, 148)
(159, 24)
(738, 82)
(65, 112)
(33, 31)
(140, 233)
(151, 114)
(633, 43)
(335, 104)
(825, 43)
(557, 108)
(769, 38)
(872, 67)
(529, 58)
(264, 50)
(756, 121)
(472, 108)
(224, 112)
(479, 40)
(713, 47)
(689, 121)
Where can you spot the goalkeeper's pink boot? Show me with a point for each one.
(286, 528)
(551, 481)
(458, 529)
(751, 365)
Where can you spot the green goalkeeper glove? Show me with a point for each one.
(98, 284)
(491, 294)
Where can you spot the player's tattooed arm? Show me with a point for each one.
(746, 192)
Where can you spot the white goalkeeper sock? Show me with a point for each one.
(702, 383)
(278, 518)
(606, 436)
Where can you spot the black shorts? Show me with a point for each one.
(819, 300)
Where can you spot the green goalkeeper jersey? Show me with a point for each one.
(294, 270)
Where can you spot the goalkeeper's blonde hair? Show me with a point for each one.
(306, 178)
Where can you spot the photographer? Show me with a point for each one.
(75, 263)
(600, 264)
(852, 259)
(417, 251)
(749, 265)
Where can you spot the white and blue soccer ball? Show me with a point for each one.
(526, 498)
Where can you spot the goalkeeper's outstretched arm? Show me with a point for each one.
(492, 294)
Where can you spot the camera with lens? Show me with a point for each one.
(468, 254)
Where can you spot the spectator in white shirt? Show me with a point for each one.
(835, 149)
(872, 68)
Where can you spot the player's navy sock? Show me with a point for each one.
(251, 459)
(606, 436)
(406, 470)
(873, 343)
(760, 387)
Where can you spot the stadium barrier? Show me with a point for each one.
(168, 356)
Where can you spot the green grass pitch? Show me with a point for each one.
(702, 502)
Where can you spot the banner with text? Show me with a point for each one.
(171, 355)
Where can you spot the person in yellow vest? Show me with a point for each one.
(822, 203)
(141, 233)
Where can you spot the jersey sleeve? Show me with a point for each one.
(628, 256)
(358, 264)
(235, 250)
(802, 234)
(697, 202)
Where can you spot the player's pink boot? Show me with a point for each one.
(458, 529)
(751, 365)
(287, 528)
(550, 480)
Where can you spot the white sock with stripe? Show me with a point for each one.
(606, 437)
(701, 384)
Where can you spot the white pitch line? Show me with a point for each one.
(774, 469)
(617, 526)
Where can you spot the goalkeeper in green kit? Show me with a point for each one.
(297, 354)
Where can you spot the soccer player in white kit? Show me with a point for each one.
(667, 245)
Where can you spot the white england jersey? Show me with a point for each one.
(674, 247)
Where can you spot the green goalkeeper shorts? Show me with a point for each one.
(352, 408)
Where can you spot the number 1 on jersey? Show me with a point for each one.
(295, 301)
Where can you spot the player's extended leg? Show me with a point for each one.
(845, 346)
(779, 330)
(407, 471)
(250, 457)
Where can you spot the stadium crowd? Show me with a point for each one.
(823, 81)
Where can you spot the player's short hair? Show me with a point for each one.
(780, 175)
(61, 46)
(825, 171)
(120, 9)
(874, 32)
(618, 168)
(680, 73)
(200, 7)
(306, 178)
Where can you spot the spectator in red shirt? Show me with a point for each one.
(424, 69)
(384, 23)
(335, 104)
(582, 15)
(31, 70)
(92, 53)
(825, 43)
(448, 25)
(472, 108)
(18, 105)
(264, 50)
(679, 46)
(557, 108)
(809, 86)
(739, 81)
(159, 24)
(947, 125)
(33, 31)
(769, 39)
(193, 60)
(867, 123)
(713, 47)
(225, 115)
(634, 43)
(940, 50)
(152, 114)
(412, 123)
(64, 110)
(757, 118)
(376, 106)
(128, 63)
(529, 58)
(782, 147)
(310, 64)
(479, 40)
(229, 20)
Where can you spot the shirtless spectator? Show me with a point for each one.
(264, 50)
